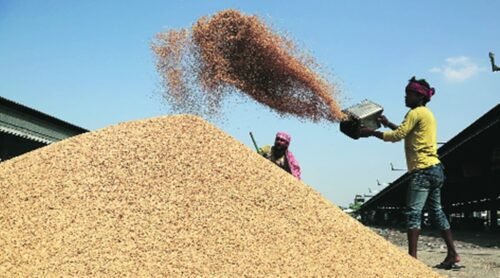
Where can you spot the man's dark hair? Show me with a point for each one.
(424, 83)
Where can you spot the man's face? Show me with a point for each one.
(280, 143)
(412, 99)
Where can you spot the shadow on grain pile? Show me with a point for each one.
(175, 196)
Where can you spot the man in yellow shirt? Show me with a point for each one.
(418, 130)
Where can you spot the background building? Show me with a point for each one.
(471, 194)
(23, 129)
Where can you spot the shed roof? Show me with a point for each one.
(472, 165)
(25, 122)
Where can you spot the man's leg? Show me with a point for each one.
(439, 218)
(442, 223)
(418, 190)
(412, 235)
(452, 255)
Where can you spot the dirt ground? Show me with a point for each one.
(479, 251)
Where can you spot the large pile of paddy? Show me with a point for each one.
(176, 196)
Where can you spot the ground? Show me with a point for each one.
(480, 251)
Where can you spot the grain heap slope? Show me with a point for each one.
(175, 196)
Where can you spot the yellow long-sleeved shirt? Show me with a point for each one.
(419, 131)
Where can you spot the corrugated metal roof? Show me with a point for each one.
(25, 135)
(38, 114)
(28, 123)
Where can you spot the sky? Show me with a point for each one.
(90, 63)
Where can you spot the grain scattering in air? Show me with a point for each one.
(231, 51)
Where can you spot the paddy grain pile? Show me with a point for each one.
(233, 52)
(176, 196)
